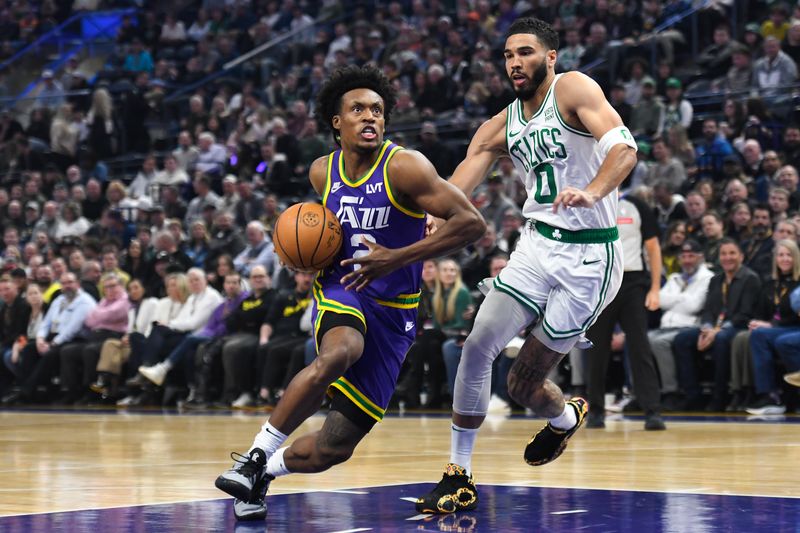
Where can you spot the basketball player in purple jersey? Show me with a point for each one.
(364, 315)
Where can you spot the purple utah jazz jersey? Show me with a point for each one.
(366, 206)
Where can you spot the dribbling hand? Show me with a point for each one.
(572, 197)
(377, 263)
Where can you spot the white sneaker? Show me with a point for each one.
(498, 406)
(245, 399)
(620, 404)
(767, 410)
(127, 400)
(156, 373)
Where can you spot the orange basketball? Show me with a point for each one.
(307, 236)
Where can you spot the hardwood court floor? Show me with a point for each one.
(59, 461)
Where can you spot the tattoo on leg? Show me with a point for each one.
(338, 431)
(530, 373)
(527, 379)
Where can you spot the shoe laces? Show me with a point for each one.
(249, 467)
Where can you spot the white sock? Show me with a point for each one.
(167, 364)
(565, 420)
(276, 466)
(268, 439)
(462, 441)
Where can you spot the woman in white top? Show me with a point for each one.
(153, 326)
(63, 133)
(200, 27)
(172, 173)
(190, 318)
(173, 32)
(198, 308)
(72, 223)
(140, 186)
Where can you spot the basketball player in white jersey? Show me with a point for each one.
(572, 151)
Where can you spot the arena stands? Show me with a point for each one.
(138, 143)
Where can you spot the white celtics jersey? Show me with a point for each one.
(550, 155)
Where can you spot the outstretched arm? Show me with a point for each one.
(488, 144)
(415, 179)
(584, 104)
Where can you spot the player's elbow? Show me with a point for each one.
(474, 226)
(627, 158)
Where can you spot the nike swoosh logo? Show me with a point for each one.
(585, 262)
(514, 134)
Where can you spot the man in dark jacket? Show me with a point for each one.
(13, 323)
(281, 346)
(226, 238)
(729, 307)
(244, 326)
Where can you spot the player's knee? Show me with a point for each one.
(481, 341)
(331, 363)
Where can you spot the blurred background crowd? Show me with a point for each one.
(146, 150)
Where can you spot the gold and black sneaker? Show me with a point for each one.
(455, 492)
(550, 442)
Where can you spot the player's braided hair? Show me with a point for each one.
(541, 29)
(329, 98)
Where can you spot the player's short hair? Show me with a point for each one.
(541, 29)
(329, 99)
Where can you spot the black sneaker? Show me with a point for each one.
(766, 404)
(455, 492)
(550, 442)
(671, 401)
(256, 507)
(736, 403)
(595, 420)
(243, 476)
(654, 422)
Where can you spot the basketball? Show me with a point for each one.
(307, 236)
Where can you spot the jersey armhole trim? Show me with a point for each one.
(327, 189)
(390, 193)
(509, 111)
(564, 122)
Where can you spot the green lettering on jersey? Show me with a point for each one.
(562, 150)
(532, 157)
(517, 154)
(543, 172)
(547, 152)
(533, 151)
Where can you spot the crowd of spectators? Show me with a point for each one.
(168, 274)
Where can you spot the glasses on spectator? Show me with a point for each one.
(258, 275)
